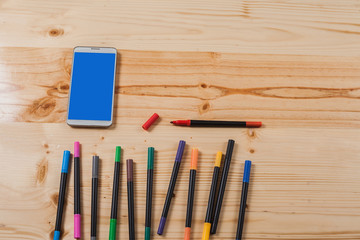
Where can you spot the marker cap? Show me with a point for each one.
(76, 149)
(247, 169)
(117, 154)
(180, 151)
(65, 162)
(253, 124)
(95, 168)
(129, 170)
(161, 226)
(194, 158)
(77, 226)
(150, 164)
(187, 233)
(150, 121)
(218, 159)
(206, 231)
(56, 235)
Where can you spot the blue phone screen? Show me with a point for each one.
(92, 84)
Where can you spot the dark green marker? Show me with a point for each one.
(150, 172)
(115, 193)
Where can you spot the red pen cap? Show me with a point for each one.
(253, 124)
(150, 121)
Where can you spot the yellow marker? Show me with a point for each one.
(210, 207)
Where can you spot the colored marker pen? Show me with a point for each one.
(61, 199)
(77, 216)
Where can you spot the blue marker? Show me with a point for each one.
(244, 192)
(64, 172)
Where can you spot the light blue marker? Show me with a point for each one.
(61, 199)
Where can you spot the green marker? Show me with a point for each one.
(150, 172)
(115, 193)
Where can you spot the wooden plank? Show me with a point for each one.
(305, 181)
(295, 65)
(281, 90)
(313, 27)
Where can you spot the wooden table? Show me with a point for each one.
(295, 65)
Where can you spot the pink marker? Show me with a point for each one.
(77, 216)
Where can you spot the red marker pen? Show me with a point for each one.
(209, 123)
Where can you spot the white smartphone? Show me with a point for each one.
(91, 96)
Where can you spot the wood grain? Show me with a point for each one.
(305, 181)
(295, 65)
(312, 27)
(281, 90)
(305, 177)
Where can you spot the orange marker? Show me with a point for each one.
(190, 202)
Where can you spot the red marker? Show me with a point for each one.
(209, 123)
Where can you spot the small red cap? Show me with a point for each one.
(253, 124)
(151, 120)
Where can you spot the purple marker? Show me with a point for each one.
(77, 216)
(172, 183)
